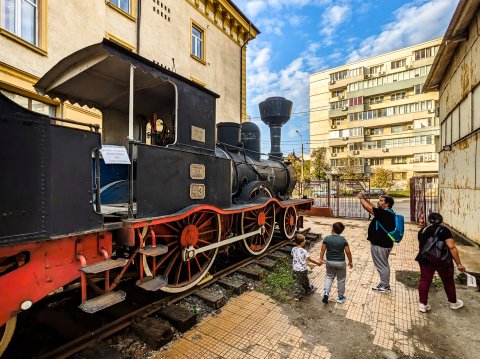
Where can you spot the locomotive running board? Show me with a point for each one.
(103, 301)
(152, 284)
(104, 266)
(153, 251)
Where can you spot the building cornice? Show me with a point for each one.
(227, 18)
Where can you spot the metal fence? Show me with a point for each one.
(423, 197)
(341, 196)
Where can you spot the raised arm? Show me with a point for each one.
(365, 203)
(456, 257)
(349, 256)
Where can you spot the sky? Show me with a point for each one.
(302, 37)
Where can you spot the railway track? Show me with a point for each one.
(131, 315)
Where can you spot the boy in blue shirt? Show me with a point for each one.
(299, 263)
(336, 247)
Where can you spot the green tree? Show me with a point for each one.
(297, 165)
(382, 178)
(350, 169)
(319, 164)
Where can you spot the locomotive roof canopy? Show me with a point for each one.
(99, 76)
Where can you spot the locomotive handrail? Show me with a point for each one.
(53, 121)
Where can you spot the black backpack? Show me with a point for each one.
(435, 247)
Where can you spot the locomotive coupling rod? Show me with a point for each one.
(190, 252)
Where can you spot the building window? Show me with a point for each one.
(30, 104)
(424, 157)
(338, 94)
(338, 105)
(337, 121)
(355, 146)
(198, 42)
(398, 64)
(122, 4)
(357, 131)
(398, 96)
(338, 76)
(399, 160)
(375, 100)
(355, 101)
(424, 53)
(375, 69)
(374, 161)
(417, 89)
(338, 149)
(20, 17)
(397, 176)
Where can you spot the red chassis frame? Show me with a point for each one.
(52, 264)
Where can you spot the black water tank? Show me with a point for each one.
(275, 112)
(229, 133)
(251, 140)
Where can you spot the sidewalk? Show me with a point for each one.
(254, 326)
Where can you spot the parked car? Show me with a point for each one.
(320, 194)
(375, 192)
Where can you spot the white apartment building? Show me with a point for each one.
(372, 113)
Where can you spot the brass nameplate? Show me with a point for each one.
(197, 171)
(197, 191)
(198, 134)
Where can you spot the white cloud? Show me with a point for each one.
(332, 19)
(414, 23)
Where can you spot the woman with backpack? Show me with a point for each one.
(436, 250)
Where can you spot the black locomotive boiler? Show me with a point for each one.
(70, 211)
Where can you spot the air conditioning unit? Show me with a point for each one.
(341, 97)
(381, 73)
(332, 82)
(408, 66)
(384, 149)
(367, 132)
(431, 111)
(344, 108)
(344, 138)
(356, 152)
(333, 126)
(334, 155)
(409, 127)
(367, 76)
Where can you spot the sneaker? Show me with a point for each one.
(341, 299)
(298, 299)
(381, 288)
(424, 308)
(457, 305)
(325, 297)
(311, 289)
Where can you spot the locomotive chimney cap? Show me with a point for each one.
(275, 111)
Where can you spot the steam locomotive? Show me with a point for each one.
(77, 206)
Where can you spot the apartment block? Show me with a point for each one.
(373, 113)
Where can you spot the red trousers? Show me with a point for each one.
(445, 271)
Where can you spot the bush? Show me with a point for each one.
(399, 194)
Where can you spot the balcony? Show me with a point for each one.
(337, 84)
(391, 120)
(388, 88)
(338, 112)
(430, 166)
(356, 169)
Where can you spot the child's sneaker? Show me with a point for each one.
(311, 289)
(325, 297)
(341, 299)
(381, 288)
(298, 299)
(424, 308)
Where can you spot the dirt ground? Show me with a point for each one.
(449, 334)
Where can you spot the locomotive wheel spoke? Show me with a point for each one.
(289, 222)
(198, 230)
(256, 219)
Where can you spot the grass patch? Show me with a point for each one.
(278, 284)
(411, 279)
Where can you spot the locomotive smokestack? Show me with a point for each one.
(275, 112)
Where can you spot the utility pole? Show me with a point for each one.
(301, 175)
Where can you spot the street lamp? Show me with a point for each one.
(301, 176)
